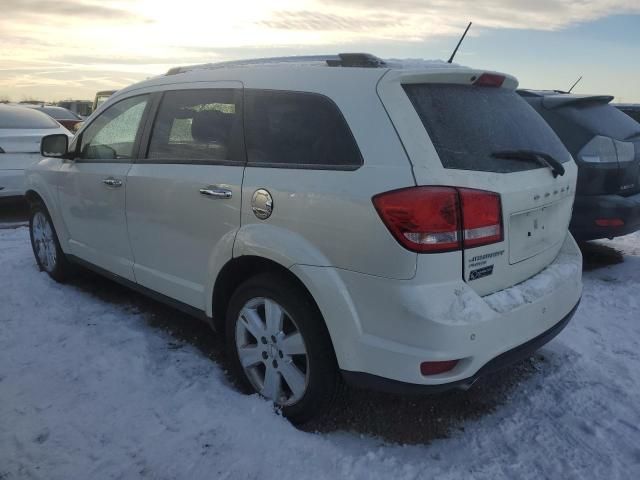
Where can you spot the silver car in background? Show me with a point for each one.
(21, 130)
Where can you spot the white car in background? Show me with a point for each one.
(336, 219)
(21, 130)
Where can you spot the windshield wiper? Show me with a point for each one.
(532, 156)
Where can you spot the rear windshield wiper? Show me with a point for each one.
(532, 156)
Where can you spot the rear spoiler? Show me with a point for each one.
(551, 102)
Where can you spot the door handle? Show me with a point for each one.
(112, 182)
(216, 192)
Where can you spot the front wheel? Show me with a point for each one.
(45, 244)
(280, 348)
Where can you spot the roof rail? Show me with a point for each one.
(341, 60)
(254, 61)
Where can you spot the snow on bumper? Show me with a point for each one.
(399, 324)
(565, 268)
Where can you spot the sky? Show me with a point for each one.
(54, 50)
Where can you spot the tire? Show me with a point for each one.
(46, 247)
(291, 355)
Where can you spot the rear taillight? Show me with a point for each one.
(440, 219)
(422, 219)
(489, 80)
(482, 217)
(609, 222)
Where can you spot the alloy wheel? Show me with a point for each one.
(272, 351)
(44, 241)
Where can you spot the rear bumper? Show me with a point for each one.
(384, 329)
(521, 352)
(589, 208)
(11, 183)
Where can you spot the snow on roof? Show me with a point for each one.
(563, 100)
(318, 61)
(310, 60)
(419, 63)
(556, 98)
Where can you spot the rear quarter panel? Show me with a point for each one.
(326, 217)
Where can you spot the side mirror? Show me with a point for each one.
(56, 146)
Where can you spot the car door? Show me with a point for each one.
(92, 188)
(183, 196)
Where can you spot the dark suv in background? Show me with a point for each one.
(605, 144)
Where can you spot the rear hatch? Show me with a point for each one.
(465, 128)
(604, 141)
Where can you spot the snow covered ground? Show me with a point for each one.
(91, 389)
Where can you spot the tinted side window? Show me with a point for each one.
(112, 135)
(197, 126)
(297, 129)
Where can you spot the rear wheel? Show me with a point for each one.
(45, 245)
(279, 347)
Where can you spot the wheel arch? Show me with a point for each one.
(32, 196)
(236, 271)
(43, 195)
(338, 320)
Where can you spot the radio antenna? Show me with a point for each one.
(459, 42)
(577, 82)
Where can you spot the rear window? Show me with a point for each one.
(297, 130)
(601, 119)
(60, 113)
(467, 124)
(21, 117)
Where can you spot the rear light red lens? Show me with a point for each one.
(434, 368)
(422, 219)
(610, 222)
(489, 80)
(481, 217)
(440, 219)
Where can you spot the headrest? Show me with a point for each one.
(211, 126)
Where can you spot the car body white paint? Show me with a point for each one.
(384, 306)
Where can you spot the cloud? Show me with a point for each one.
(117, 60)
(13, 9)
(317, 21)
(116, 41)
(434, 15)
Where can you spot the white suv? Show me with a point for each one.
(402, 229)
